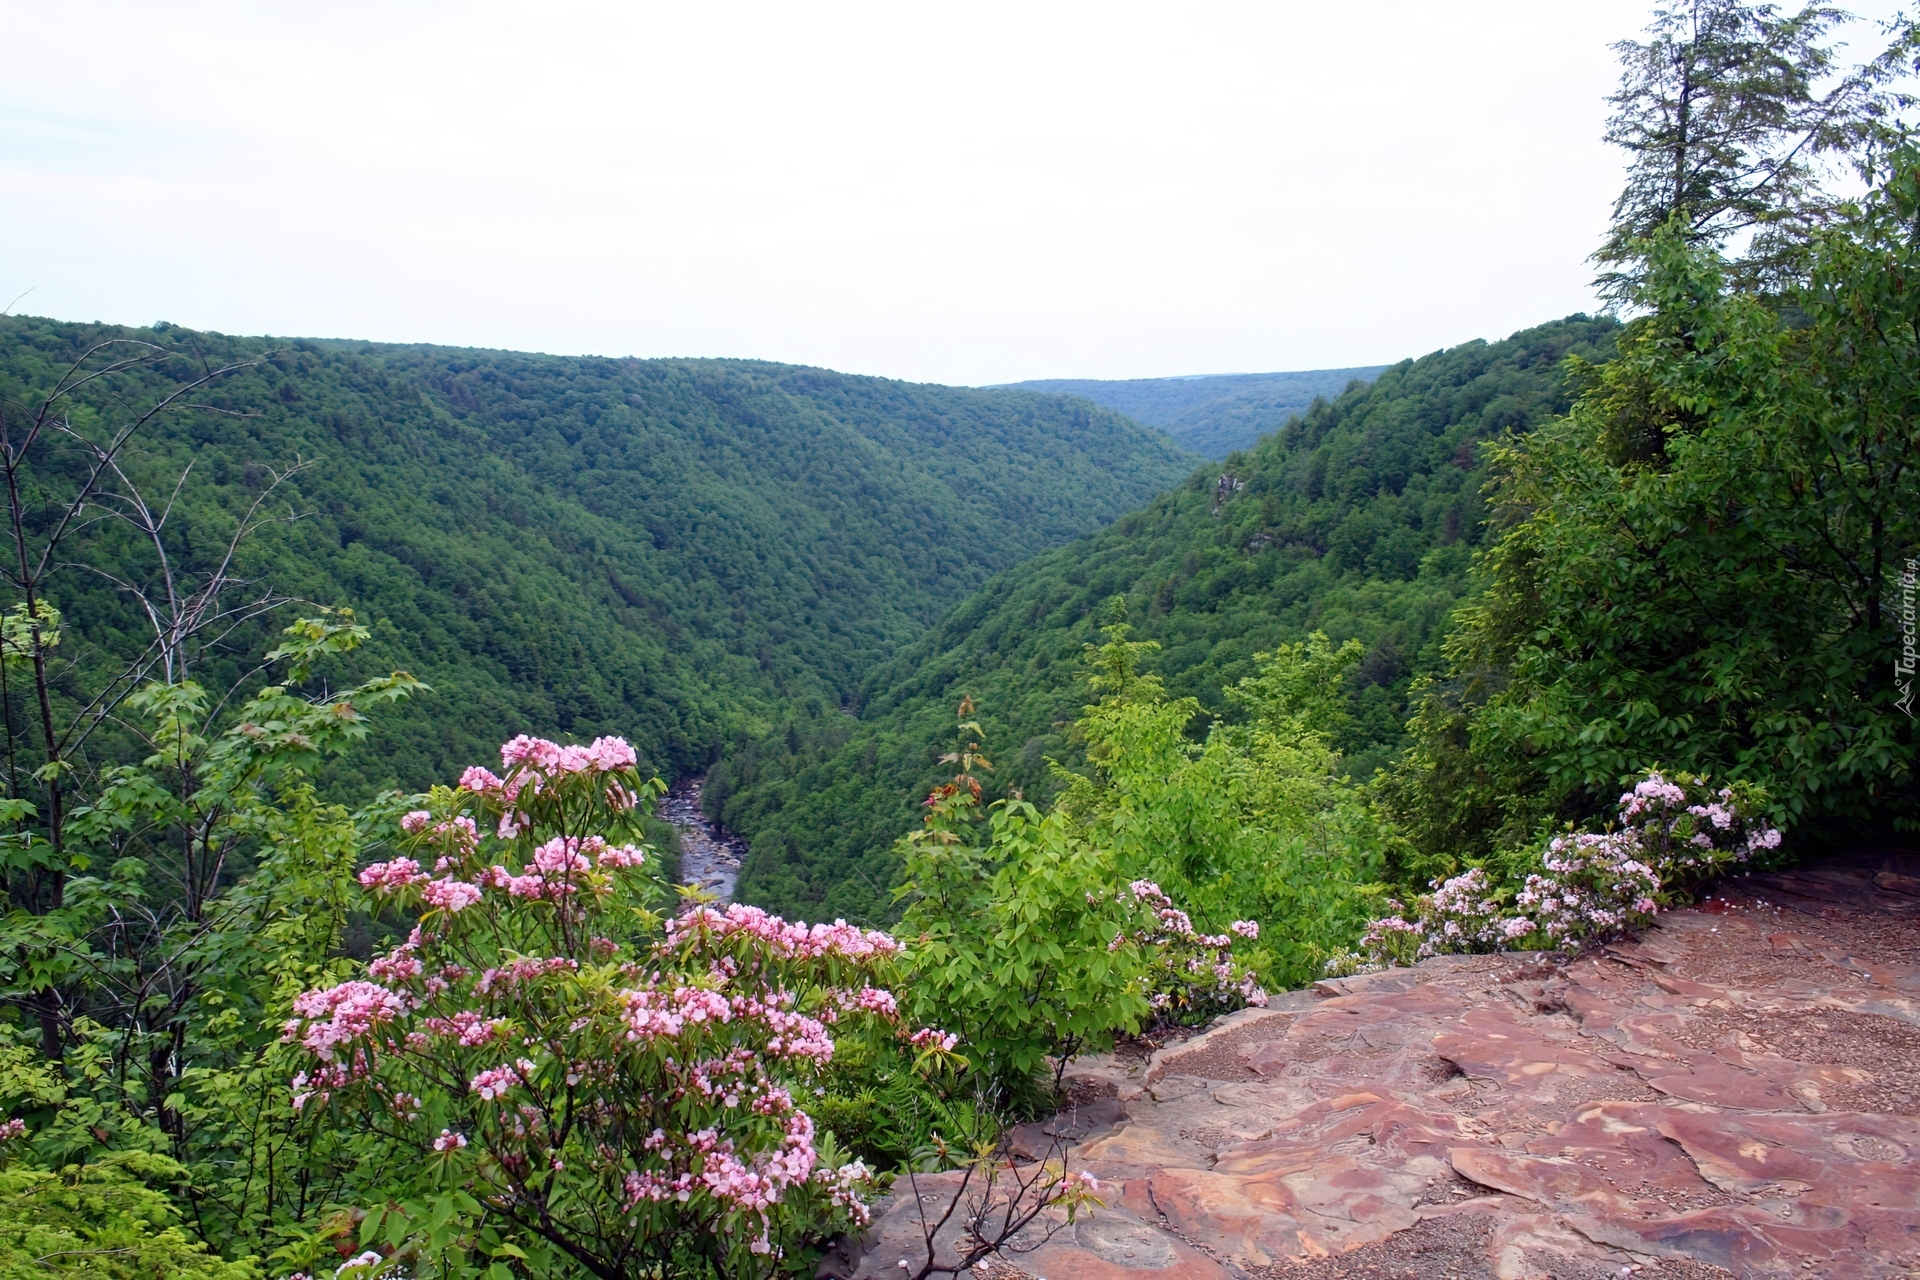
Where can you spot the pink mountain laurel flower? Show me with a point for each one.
(386, 877)
(1147, 891)
(14, 1128)
(838, 940)
(562, 856)
(451, 894)
(493, 1083)
(605, 755)
(659, 1015)
(933, 1038)
(336, 1016)
(469, 1028)
(480, 781)
(398, 965)
(1591, 885)
(622, 857)
(518, 973)
(1651, 790)
(720, 1018)
(1249, 929)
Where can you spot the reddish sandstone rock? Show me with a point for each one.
(1737, 1092)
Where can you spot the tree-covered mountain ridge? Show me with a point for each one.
(1213, 414)
(1358, 519)
(665, 549)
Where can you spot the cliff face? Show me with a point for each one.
(1735, 1093)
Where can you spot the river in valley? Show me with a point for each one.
(709, 853)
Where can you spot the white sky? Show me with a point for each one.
(967, 193)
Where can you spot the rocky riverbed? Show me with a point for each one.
(709, 853)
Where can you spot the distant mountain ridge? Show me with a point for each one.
(1213, 414)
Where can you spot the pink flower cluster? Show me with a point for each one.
(468, 1027)
(847, 1188)
(1674, 833)
(11, 1129)
(1461, 914)
(524, 1016)
(492, 1084)
(796, 941)
(790, 1035)
(325, 1078)
(933, 1038)
(399, 965)
(482, 781)
(1687, 829)
(757, 1186)
(1651, 792)
(388, 877)
(535, 763)
(606, 755)
(658, 1015)
(328, 1019)
(520, 972)
(711, 1163)
(1595, 885)
(557, 871)
(622, 857)
(873, 1000)
(450, 894)
(1191, 973)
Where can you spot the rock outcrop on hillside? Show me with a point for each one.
(1735, 1093)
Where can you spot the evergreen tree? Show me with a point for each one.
(1738, 120)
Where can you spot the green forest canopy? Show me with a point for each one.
(1358, 519)
(664, 549)
(1213, 414)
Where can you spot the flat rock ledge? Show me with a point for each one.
(1737, 1092)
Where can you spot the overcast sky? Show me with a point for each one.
(963, 193)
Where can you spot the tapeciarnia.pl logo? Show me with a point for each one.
(1903, 663)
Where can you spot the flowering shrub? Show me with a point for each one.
(1673, 834)
(1595, 885)
(1688, 830)
(1461, 914)
(598, 1084)
(1189, 974)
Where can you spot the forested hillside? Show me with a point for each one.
(1627, 611)
(664, 549)
(1358, 519)
(1216, 414)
